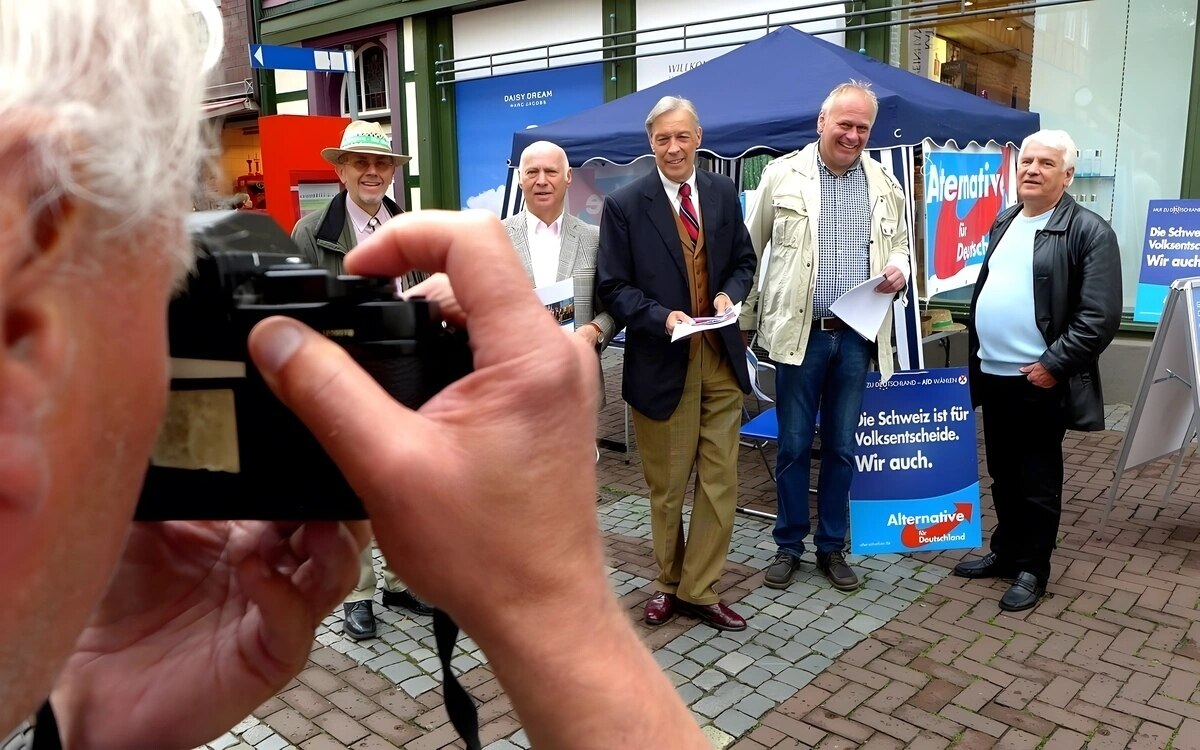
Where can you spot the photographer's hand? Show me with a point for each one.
(202, 623)
(484, 499)
(437, 289)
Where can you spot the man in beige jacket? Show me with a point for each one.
(822, 364)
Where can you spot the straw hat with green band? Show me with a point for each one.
(362, 137)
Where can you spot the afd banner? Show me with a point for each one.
(1171, 251)
(964, 192)
(490, 110)
(916, 480)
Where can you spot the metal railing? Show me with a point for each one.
(448, 70)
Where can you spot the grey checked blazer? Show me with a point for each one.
(576, 260)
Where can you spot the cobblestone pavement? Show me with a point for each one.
(915, 658)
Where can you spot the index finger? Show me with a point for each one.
(475, 252)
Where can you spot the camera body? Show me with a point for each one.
(228, 449)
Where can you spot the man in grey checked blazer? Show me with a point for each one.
(554, 245)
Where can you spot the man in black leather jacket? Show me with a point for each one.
(1046, 304)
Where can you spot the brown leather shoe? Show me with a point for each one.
(660, 608)
(718, 615)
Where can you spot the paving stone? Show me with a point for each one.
(682, 644)
(753, 650)
(753, 676)
(783, 630)
(776, 690)
(826, 647)
(848, 636)
(666, 659)
(865, 624)
(419, 684)
(734, 663)
(723, 698)
(814, 663)
(797, 678)
(756, 704)
(689, 693)
(725, 644)
(399, 672)
(768, 641)
(222, 742)
(709, 679)
(734, 722)
(716, 737)
(704, 655)
(274, 742)
(384, 660)
(800, 618)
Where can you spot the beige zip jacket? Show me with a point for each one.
(785, 213)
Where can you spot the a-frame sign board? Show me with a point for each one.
(1164, 418)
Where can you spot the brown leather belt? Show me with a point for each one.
(828, 324)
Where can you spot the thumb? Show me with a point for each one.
(337, 400)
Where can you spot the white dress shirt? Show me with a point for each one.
(545, 242)
(360, 218)
(672, 189)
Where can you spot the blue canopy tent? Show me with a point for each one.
(764, 98)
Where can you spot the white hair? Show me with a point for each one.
(862, 87)
(115, 87)
(670, 104)
(1059, 140)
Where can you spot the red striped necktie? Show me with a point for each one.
(687, 212)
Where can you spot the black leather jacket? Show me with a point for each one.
(1077, 303)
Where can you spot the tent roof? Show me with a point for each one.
(764, 97)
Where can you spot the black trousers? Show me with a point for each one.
(1023, 429)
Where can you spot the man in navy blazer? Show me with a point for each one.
(673, 246)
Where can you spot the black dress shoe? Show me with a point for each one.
(659, 608)
(407, 600)
(988, 566)
(360, 619)
(1023, 594)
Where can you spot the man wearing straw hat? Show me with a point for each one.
(366, 165)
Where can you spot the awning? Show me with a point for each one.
(229, 99)
(225, 107)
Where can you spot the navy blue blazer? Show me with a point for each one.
(641, 277)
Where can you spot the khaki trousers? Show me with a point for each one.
(702, 432)
(366, 577)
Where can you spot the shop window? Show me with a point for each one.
(1120, 100)
(371, 82)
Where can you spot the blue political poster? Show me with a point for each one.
(1171, 251)
(964, 193)
(916, 479)
(489, 110)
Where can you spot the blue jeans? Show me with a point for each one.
(831, 380)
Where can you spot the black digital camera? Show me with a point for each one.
(228, 449)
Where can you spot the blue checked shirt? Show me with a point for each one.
(843, 235)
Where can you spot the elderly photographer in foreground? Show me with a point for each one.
(164, 635)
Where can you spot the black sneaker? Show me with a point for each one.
(781, 570)
(841, 575)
